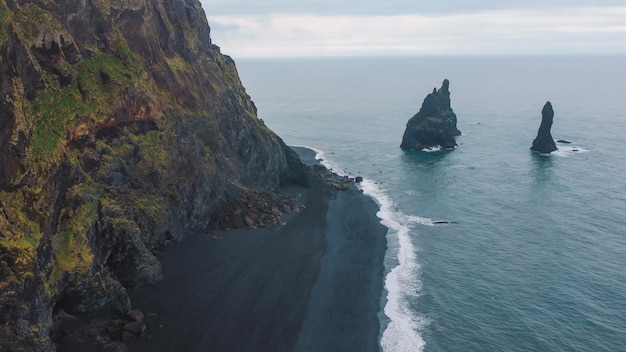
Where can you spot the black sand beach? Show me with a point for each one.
(313, 284)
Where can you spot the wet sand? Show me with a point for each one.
(313, 284)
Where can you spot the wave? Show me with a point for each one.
(400, 325)
(402, 332)
(568, 150)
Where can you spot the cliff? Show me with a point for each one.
(122, 127)
(434, 124)
(544, 143)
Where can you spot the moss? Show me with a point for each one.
(51, 111)
(99, 81)
(126, 56)
(20, 107)
(18, 206)
(29, 19)
(74, 253)
(26, 244)
(4, 22)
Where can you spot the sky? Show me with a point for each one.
(308, 28)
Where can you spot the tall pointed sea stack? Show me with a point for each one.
(544, 143)
(434, 125)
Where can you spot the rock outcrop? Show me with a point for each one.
(435, 123)
(544, 143)
(122, 127)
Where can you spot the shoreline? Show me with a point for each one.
(313, 284)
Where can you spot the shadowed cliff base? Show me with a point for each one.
(312, 284)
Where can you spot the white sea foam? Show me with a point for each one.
(433, 149)
(568, 150)
(402, 284)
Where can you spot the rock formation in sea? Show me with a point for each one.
(435, 123)
(544, 143)
(122, 128)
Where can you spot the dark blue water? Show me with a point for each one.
(536, 258)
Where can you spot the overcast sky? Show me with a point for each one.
(301, 28)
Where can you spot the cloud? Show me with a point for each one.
(569, 30)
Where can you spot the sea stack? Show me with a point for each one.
(435, 123)
(544, 143)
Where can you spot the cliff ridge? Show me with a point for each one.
(122, 128)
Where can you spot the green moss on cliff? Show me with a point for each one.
(30, 19)
(89, 98)
(51, 111)
(74, 255)
(4, 22)
(17, 211)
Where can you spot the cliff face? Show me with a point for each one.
(121, 127)
(544, 143)
(434, 124)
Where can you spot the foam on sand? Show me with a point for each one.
(402, 285)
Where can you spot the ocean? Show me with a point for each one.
(531, 254)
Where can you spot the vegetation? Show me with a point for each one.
(4, 21)
(30, 19)
(74, 253)
(89, 98)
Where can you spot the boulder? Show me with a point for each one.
(135, 315)
(136, 328)
(434, 124)
(544, 143)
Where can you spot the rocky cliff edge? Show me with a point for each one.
(122, 127)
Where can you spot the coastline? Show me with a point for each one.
(313, 284)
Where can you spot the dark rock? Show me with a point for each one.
(544, 143)
(435, 123)
(358, 179)
(342, 186)
(135, 315)
(115, 347)
(563, 141)
(127, 335)
(135, 327)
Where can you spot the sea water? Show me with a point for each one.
(490, 247)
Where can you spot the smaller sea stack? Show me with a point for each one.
(544, 143)
(435, 123)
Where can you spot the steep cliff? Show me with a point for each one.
(544, 143)
(122, 127)
(434, 124)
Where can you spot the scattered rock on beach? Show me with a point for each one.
(136, 328)
(115, 347)
(340, 185)
(135, 315)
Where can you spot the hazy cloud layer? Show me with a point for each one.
(277, 28)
